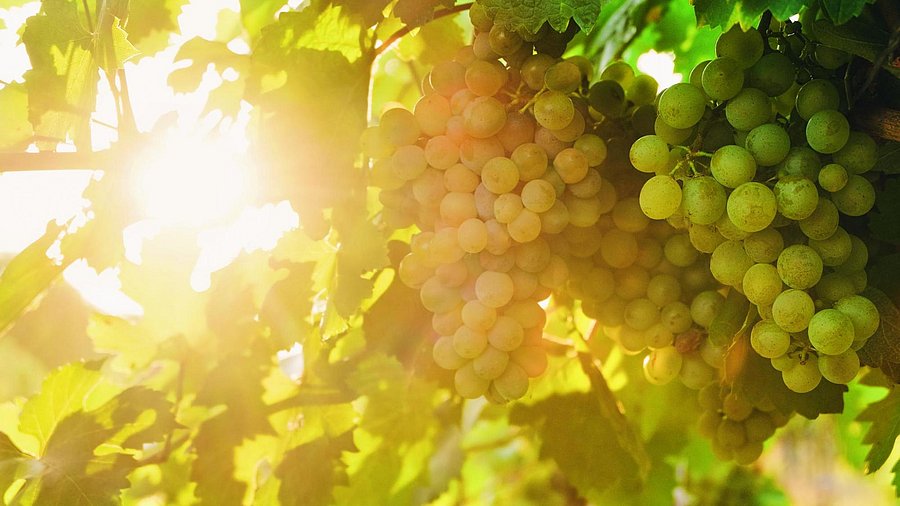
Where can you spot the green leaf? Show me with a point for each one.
(883, 348)
(257, 14)
(70, 389)
(884, 221)
(855, 37)
(150, 22)
(418, 12)
(885, 418)
(529, 16)
(202, 53)
(433, 43)
(16, 133)
(10, 459)
(784, 9)
(62, 83)
(588, 437)
(27, 275)
(112, 48)
(400, 406)
(842, 11)
(310, 471)
(73, 472)
(369, 12)
(288, 306)
(888, 158)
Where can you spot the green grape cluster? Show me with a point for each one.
(495, 162)
(736, 427)
(761, 189)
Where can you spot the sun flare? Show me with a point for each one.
(191, 182)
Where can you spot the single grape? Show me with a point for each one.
(445, 356)
(494, 289)
(650, 154)
(746, 48)
(800, 161)
(618, 71)
(671, 135)
(704, 200)
(732, 166)
(816, 95)
(679, 251)
(797, 197)
(534, 68)
(553, 110)
(468, 384)
(762, 284)
(608, 98)
(856, 198)
(722, 78)
(503, 41)
(835, 250)
(484, 117)
(662, 365)
(768, 143)
(682, 105)
(660, 197)
(729, 263)
(485, 78)
(769, 340)
(799, 266)
(513, 383)
(823, 222)
(593, 147)
(642, 90)
(859, 154)
(448, 77)
(840, 369)
(764, 246)
(705, 306)
(748, 109)
(792, 310)
(571, 165)
(705, 238)
(531, 160)
(400, 126)
(563, 76)
(773, 73)
(833, 177)
(752, 206)
(827, 131)
(803, 377)
(831, 332)
(862, 313)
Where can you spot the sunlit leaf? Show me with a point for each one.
(310, 471)
(885, 418)
(16, 132)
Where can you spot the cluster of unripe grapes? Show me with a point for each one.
(761, 187)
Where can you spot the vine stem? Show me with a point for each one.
(406, 29)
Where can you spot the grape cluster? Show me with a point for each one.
(736, 427)
(493, 164)
(761, 188)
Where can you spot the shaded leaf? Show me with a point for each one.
(855, 37)
(884, 220)
(150, 22)
(883, 347)
(885, 418)
(10, 459)
(310, 471)
(62, 82)
(418, 12)
(288, 306)
(16, 132)
(256, 14)
(842, 11)
(888, 158)
(529, 16)
(112, 48)
(69, 389)
(369, 12)
(433, 43)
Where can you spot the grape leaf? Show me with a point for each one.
(72, 388)
(16, 132)
(27, 275)
(310, 471)
(400, 405)
(888, 158)
(202, 53)
(112, 48)
(418, 12)
(842, 11)
(855, 37)
(62, 82)
(587, 436)
(884, 221)
(435, 42)
(236, 382)
(369, 12)
(883, 348)
(724, 13)
(885, 418)
(530, 16)
(288, 306)
(72, 471)
(786, 8)
(257, 14)
(150, 22)
(10, 459)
